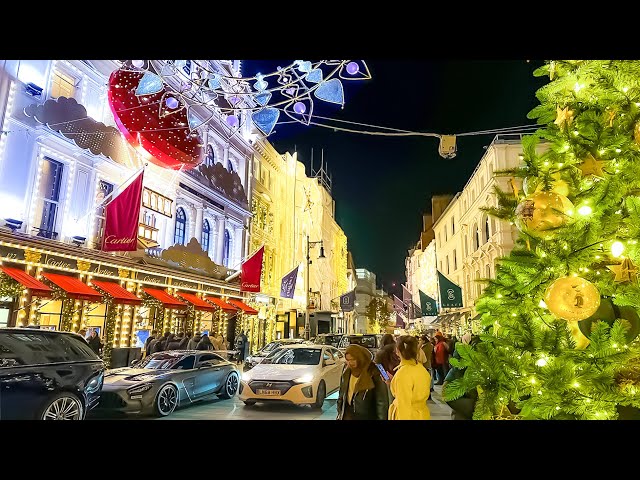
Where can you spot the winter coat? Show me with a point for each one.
(174, 344)
(427, 348)
(204, 343)
(184, 342)
(147, 344)
(441, 353)
(193, 343)
(371, 404)
(411, 386)
(95, 344)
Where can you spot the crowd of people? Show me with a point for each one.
(397, 383)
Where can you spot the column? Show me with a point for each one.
(237, 245)
(198, 229)
(225, 157)
(220, 240)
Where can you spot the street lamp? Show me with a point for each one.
(307, 326)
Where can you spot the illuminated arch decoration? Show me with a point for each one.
(195, 91)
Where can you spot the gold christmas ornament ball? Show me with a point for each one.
(541, 212)
(532, 185)
(572, 298)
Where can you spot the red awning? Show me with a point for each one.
(37, 288)
(243, 306)
(119, 294)
(221, 303)
(167, 300)
(197, 302)
(74, 287)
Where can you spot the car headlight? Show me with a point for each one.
(139, 389)
(246, 376)
(94, 384)
(304, 378)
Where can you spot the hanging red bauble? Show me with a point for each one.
(165, 141)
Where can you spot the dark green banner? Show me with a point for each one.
(428, 305)
(450, 293)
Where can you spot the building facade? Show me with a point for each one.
(468, 241)
(61, 156)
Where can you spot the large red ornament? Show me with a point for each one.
(165, 141)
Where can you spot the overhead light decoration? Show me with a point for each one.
(188, 86)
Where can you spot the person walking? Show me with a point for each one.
(441, 355)
(83, 333)
(386, 355)
(94, 341)
(363, 394)
(193, 343)
(147, 342)
(204, 343)
(410, 385)
(239, 346)
(427, 347)
(185, 341)
(161, 344)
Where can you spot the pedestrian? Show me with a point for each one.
(147, 342)
(193, 343)
(239, 346)
(363, 393)
(204, 343)
(174, 343)
(216, 342)
(441, 358)
(427, 347)
(247, 347)
(462, 407)
(161, 344)
(83, 333)
(410, 384)
(386, 355)
(185, 341)
(94, 341)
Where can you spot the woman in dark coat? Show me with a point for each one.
(387, 356)
(363, 393)
(204, 343)
(185, 341)
(193, 343)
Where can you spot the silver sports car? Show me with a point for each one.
(164, 380)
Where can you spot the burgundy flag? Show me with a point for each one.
(251, 271)
(401, 311)
(122, 216)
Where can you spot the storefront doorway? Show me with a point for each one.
(6, 310)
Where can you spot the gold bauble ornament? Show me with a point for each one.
(540, 213)
(532, 185)
(572, 298)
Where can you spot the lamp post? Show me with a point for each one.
(307, 326)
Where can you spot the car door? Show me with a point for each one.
(187, 380)
(328, 369)
(338, 367)
(209, 373)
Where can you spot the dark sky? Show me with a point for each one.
(382, 185)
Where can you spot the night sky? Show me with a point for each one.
(382, 185)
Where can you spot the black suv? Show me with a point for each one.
(47, 375)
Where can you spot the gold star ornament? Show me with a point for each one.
(626, 272)
(592, 166)
(564, 117)
(636, 133)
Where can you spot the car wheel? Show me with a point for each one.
(322, 392)
(62, 406)
(230, 386)
(166, 400)
(249, 403)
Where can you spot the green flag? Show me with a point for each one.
(428, 305)
(450, 293)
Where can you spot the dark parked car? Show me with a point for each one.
(47, 375)
(332, 339)
(165, 380)
(371, 341)
(252, 360)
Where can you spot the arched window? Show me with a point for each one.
(476, 237)
(493, 225)
(187, 67)
(230, 165)
(455, 261)
(488, 271)
(226, 248)
(206, 233)
(181, 223)
(453, 226)
(445, 233)
(466, 247)
(486, 230)
(447, 264)
(478, 285)
(210, 159)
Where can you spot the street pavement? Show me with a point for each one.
(234, 409)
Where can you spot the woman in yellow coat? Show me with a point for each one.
(411, 385)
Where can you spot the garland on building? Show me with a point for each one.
(68, 309)
(150, 302)
(9, 287)
(109, 330)
(190, 319)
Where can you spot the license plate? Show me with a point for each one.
(262, 391)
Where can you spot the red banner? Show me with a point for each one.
(122, 216)
(251, 271)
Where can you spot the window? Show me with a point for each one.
(33, 349)
(337, 354)
(186, 363)
(445, 233)
(466, 248)
(447, 262)
(206, 233)
(486, 229)
(295, 356)
(455, 261)
(326, 355)
(453, 226)
(104, 190)
(476, 237)
(488, 271)
(49, 192)
(181, 223)
(156, 202)
(62, 85)
(226, 248)
(187, 67)
(210, 358)
(230, 165)
(210, 159)
(441, 266)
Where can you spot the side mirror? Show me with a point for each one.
(330, 361)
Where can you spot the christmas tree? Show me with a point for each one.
(560, 320)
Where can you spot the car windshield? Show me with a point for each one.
(159, 361)
(294, 356)
(367, 341)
